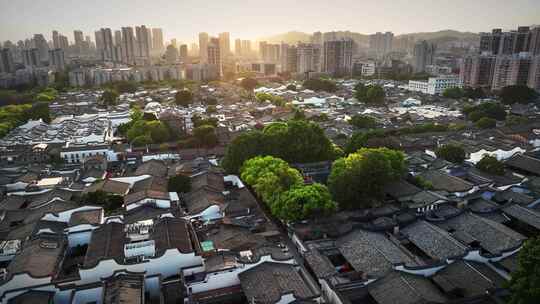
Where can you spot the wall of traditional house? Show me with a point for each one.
(65, 216)
(21, 281)
(88, 295)
(169, 264)
(79, 237)
(160, 203)
(227, 278)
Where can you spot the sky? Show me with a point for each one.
(250, 19)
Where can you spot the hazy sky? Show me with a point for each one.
(183, 19)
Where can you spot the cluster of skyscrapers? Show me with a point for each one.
(505, 58)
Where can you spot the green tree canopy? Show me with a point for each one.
(108, 201)
(304, 202)
(109, 97)
(295, 141)
(486, 109)
(249, 84)
(491, 165)
(183, 97)
(179, 183)
(515, 120)
(291, 87)
(269, 177)
(319, 84)
(455, 93)
(206, 136)
(452, 153)
(517, 94)
(375, 94)
(357, 180)
(486, 123)
(363, 121)
(525, 282)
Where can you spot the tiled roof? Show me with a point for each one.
(434, 241)
(399, 287)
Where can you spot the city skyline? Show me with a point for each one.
(182, 24)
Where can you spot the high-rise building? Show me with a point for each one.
(171, 54)
(183, 52)
(317, 38)
(128, 45)
(534, 74)
(309, 57)
(477, 71)
(534, 43)
(506, 43)
(117, 37)
(104, 44)
(79, 41)
(269, 53)
(143, 45)
(57, 59)
(214, 54)
(63, 42)
(31, 58)
(203, 47)
(381, 43)
(424, 55)
(157, 39)
(337, 57)
(6, 61)
(246, 47)
(224, 44)
(42, 46)
(194, 50)
(238, 47)
(56, 39)
(511, 70)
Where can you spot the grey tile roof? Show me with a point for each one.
(525, 163)
(523, 214)
(468, 278)
(434, 241)
(371, 253)
(493, 237)
(442, 181)
(402, 288)
(267, 282)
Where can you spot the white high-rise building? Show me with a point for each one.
(214, 54)
(57, 59)
(143, 45)
(224, 44)
(128, 45)
(157, 40)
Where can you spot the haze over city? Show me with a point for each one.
(253, 19)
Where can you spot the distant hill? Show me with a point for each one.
(439, 36)
(443, 35)
(289, 37)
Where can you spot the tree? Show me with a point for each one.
(183, 98)
(108, 201)
(304, 202)
(247, 145)
(375, 94)
(486, 109)
(486, 123)
(158, 131)
(455, 93)
(142, 140)
(515, 120)
(363, 122)
(206, 136)
(40, 110)
(249, 84)
(318, 84)
(357, 180)
(270, 176)
(452, 153)
(198, 121)
(179, 183)
(291, 87)
(295, 141)
(360, 92)
(525, 281)
(517, 94)
(491, 165)
(109, 97)
(125, 87)
(211, 109)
